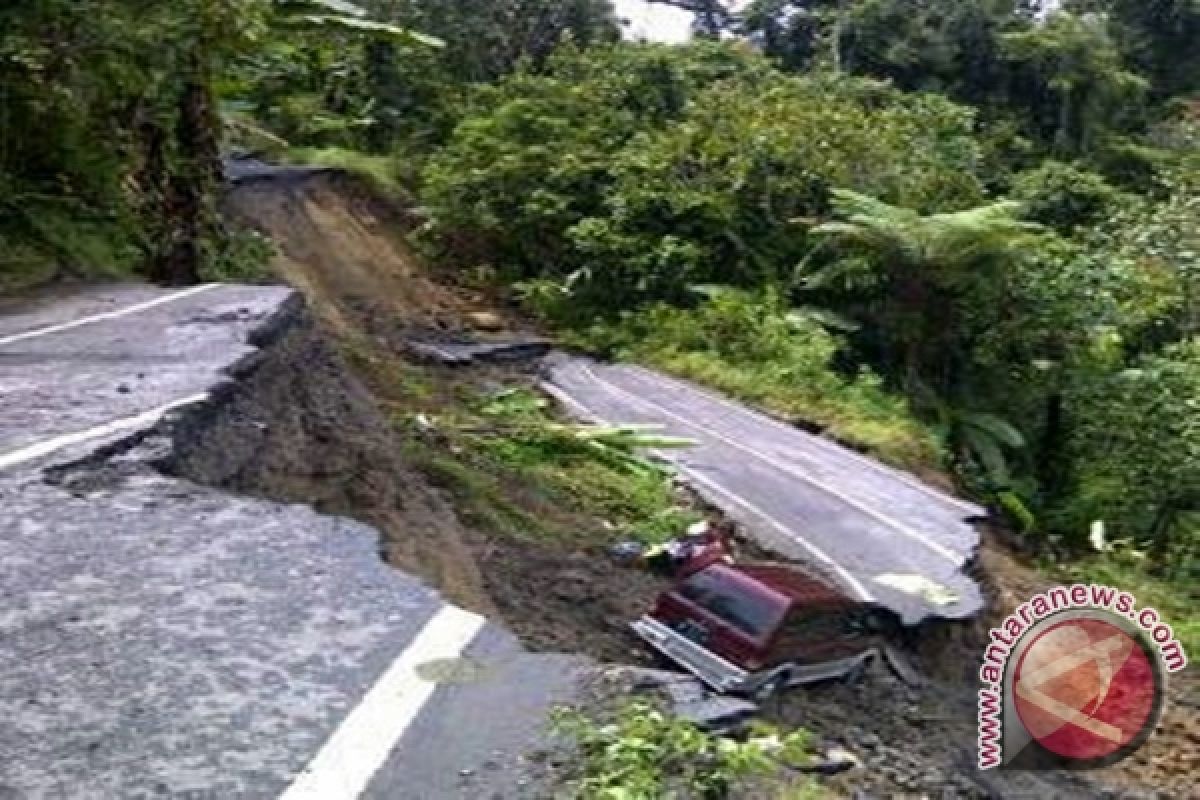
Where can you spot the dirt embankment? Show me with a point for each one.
(321, 416)
(314, 419)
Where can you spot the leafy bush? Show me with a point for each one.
(1136, 451)
(515, 470)
(1064, 197)
(642, 169)
(754, 347)
(644, 754)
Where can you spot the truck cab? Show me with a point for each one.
(756, 629)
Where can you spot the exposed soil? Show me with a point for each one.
(305, 423)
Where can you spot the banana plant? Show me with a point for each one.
(345, 16)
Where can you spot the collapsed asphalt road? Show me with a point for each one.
(158, 638)
(880, 534)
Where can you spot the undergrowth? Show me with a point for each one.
(378, 171)
(1174, 596)
(750, 346)
(645, 754)
(515, 470)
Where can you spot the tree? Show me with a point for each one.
(922, 274)
(1075, 59)
(1158, 37)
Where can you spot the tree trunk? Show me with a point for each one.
(1050, 455)
(1063, 137)
(191, 226)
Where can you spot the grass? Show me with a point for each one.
(378, 171)
(516, 471)
(643, 753)
(753, 348)
(858, 413)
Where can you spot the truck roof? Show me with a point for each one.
(798, 586)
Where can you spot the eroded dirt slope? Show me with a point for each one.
(318, 420)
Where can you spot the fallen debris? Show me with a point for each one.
(464, 351)
(691, 701)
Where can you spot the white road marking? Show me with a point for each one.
(48, 446)
(851, 582)
(346, 763)
(900, 527)
(833, 447)
(121, 312)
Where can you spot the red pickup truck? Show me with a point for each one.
(756, 629)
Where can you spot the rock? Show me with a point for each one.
(486, 321)
(123, 389)
(833, 761)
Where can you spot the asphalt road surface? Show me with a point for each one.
(881, 534)
(161, 639)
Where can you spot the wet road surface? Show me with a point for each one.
(162, 639)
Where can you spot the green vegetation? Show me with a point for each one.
(970, 258)
(110, 125)
(752, 346)
(378, 171)
(1171, 595)
(644, 754)
(516, 471)
(960, 234)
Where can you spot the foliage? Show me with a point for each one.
(523, 435)
(1065, 197)
(1158, 38)
(537, 158)
(1168, 585)
(378, 171)
(244, 257)
(920, 277)
(1075, 59)
(110, 127)
(640, 170)
(1137, 450)
(644, 754)
(755, 348)
(516, 471)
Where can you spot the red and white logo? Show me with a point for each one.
(1075, 678)
(1084, 689)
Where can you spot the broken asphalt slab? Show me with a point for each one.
(159, 638)
(880, 534)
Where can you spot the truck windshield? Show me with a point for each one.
(747, 611)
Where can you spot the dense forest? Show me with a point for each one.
(963, 235)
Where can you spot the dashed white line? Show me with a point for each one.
(832, 447)
(900, 527)
(121, 312)
(346, 763)
(48, 446)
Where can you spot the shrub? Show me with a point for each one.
(752, 346)
(1064, 197)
